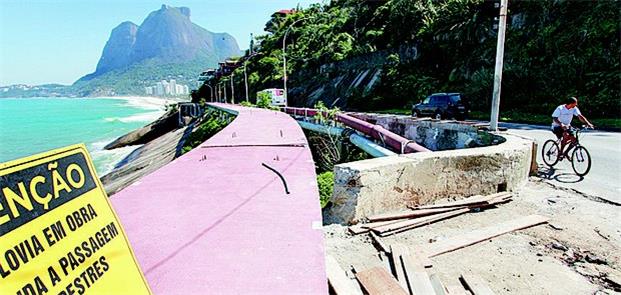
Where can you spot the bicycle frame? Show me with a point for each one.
(552, 152)
(573, 143)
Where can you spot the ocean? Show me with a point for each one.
(33, 125)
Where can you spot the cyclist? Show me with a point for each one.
(561, 121)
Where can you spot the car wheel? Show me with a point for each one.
(437, 115)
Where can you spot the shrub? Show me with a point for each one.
(247, 104)
(211, 125)
(264, 101)
(325, 182)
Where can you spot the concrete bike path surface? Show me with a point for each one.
(216, 221)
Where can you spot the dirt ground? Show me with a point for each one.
(577, 252)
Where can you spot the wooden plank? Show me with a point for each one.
(338, 280)
(438, 287)
(370, 225)
(357, 229)
(476, 285)
(477, 199)
(496, 201)
(362, 228)
(377, 281)
(420, 257)
(385, 261)
(398, 250)
(423, 221)
(456, 290)
(383, 246)
(417, 278)
(476, 236)
(415, 221)
(473, 202)
(463, 202)
(409, 214)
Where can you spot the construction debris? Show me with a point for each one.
(480, 235)
(392, 223)
(338, 280)
(576, 254)
(407, 269)
(475, 285)
(377, 281)
(407, 273)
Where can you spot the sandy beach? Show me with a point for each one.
(149, 102)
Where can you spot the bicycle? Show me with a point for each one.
(579, 157)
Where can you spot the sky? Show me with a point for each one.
(59, 41)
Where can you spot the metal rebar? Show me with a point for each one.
(279, 175)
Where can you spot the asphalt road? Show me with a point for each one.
(604, 179)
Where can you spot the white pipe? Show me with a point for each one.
(362, 142)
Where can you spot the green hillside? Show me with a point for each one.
(554, 49)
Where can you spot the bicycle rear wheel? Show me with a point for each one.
(581, 161)
(550, 153)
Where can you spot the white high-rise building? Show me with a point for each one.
(166, 88)
(160, 90)
(180, 89)
(173, 87)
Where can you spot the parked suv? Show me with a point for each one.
(443, 105)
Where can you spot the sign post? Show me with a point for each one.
(58, 232)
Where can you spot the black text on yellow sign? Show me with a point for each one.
(58, 232)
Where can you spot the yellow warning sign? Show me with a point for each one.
(58, 232)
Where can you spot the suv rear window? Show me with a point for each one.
(455, 98)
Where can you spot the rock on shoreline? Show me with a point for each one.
(163, 140)
(166, 123)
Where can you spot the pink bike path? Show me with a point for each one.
(216, 221)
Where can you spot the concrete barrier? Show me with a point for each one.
(436, 135)
(380, 185)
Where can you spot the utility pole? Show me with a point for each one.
(246, 76)
(224, 88)
(251, 47)
(500, 52)
(210, 92)
(219, 95)
(232, 89)
(246, 79)
(284, 57)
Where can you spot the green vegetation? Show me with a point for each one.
(554, 49)
(325, 181)
(325, 116)
(210, 125)
(264, 101)
(171, 107)
(247, 104)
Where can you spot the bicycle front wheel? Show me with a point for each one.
(581, 161)
(550, 153)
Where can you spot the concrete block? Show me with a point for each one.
(381, 185)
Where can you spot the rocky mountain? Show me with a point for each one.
(116, 53)
(166, 45)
